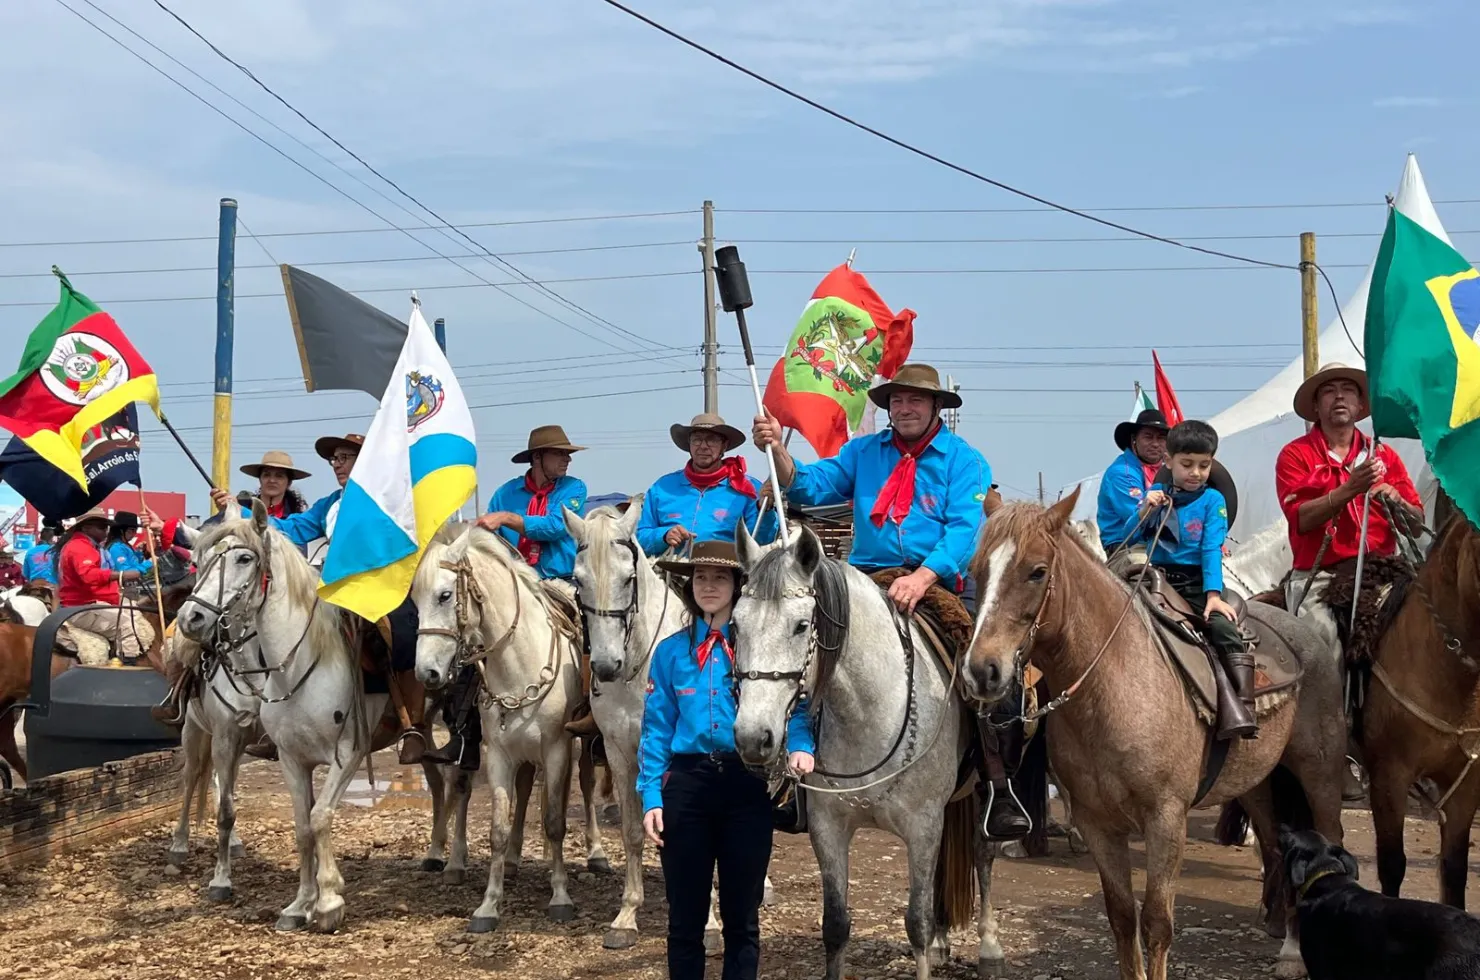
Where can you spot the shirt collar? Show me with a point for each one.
(939, 442)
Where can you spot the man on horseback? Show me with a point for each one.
(702, 501)
(318, 523)
(917, 491)
(1123, 488)
(85, 578)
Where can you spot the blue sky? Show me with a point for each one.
(526, 111)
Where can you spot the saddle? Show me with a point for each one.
(941, 616)
(1179, 632)
(1385, 584)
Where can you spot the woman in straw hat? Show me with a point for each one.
(702, 806)
(702, 501)
(275, 476)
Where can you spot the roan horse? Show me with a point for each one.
(892, 736)
(479, 602)
(1124, 717)
(1420, 716)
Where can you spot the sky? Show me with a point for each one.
(512, 119)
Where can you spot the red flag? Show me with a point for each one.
(1166, 398)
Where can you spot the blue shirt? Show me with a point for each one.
(951, 484)
(692, 710)
(304, 526)
(557, 547)
(123, 558)
(1122, 489)
(710, 514)
(1202, 527)
(38, 564)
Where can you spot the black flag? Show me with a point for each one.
(110, 458)
(344, 343)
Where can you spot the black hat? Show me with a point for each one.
(125, 521)
(1219, 479)
(1125, 432)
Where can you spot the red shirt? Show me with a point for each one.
(1307, 471)
(11, 575)
(83, 579)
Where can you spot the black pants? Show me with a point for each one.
(1221, 633)
(404, 623)
(714, 812)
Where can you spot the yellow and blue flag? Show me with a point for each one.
(417, 468)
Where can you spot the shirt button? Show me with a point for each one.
(716, 728)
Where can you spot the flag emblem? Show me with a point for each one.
(423, 398)
(83, 366)
(1461, 301)
(839, 348)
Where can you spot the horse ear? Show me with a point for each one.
(259, 515)
(992, 502)
(1059, 513)
(575, 524)
(746, 549)
(628, 524)
(809, 551)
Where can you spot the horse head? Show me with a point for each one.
(443, 594)
(607, 574)
(1014, 569)
(790, 624)
(234, 568)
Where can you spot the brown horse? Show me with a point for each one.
(1421, 718)
(1125, 722)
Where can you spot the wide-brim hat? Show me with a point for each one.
(546, 437)
(914, 377)
(126, 520)
(1125, 432)
(706, 422)
(329, 445)
(276, 459)
(714, 553)
(1305, 395)
(96, 514)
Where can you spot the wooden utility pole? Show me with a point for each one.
(1042, 497)
(1309, 324)
(225, 341)
(711, 337)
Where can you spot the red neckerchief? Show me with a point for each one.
(1150, 470)
(710, 642)
(731, 468)
(539, 506)
(279, 509)
(898, 495)
(1331, 474)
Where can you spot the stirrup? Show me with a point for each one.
(987, 812)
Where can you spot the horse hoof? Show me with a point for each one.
(454, 876)
(176, 859)
(1014, 849)
(433, 865)
(712, 942)
(940, 955)
(291, 923)
(619, 939)
(329, 921)
(987, 969)
(768, 897)
(1290, 969)
(219, 893)
(561, 913)
(599, 866)
(482, 923)
(237, 851)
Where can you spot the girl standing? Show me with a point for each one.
(702, 807)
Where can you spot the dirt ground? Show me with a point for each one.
(117, 913)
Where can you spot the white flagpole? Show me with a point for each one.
(1362, 547)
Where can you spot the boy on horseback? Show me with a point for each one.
(917, 491)
(1189, 551)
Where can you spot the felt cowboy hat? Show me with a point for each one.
(706, 422)
(546, 437)
(1125, 432)
(329, 445)
(914, 377)
(125, 520)
(715, 553)
(276, 459)
(1305, 395)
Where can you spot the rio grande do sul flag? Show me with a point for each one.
(77, 371)
(846, 337)
(1423, 354)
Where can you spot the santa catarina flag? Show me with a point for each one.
(846, 337)
(77, 371)
(1423, 354)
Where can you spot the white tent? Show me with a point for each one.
(1253, 431)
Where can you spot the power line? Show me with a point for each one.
(1052, 241)
(911, 148)
(1101, 210)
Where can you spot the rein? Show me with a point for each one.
(627, 615)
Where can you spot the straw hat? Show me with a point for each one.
(1305, 395)
(914, 377)
(96, 514)
(1125, 432)
(329, 445)
(276, 459)
(706, 422)
(715, 553)
(546, 437)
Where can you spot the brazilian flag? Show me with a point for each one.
(1423, 354)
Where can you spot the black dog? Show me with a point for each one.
(1350, 933)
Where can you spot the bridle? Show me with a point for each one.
(627, 615)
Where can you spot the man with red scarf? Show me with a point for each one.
(702, 501)
(917, 491)
(526, 510)
(1322, 479)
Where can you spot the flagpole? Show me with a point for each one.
(154, 566)
(188, 454)
(1362, 546)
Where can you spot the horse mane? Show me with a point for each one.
(769, 581)
(601, 531)
(1020, 520)
(471, 540)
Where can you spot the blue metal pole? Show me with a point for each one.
(225, 338)
(439, 330)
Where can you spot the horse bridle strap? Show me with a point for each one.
(627, 615)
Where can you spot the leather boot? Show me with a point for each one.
(583, 724)
(171, 711)
(262, 749)
(413, 745)
(1005, 819)
(1235, 716)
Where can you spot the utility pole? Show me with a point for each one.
(439, 331)
(1042, 497)
(950, 412)
(225, 339)
(711, 336)
(1309, 325)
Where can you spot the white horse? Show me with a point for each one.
(314, 707)
(478, 602)
(1261, 563)
(31, 610)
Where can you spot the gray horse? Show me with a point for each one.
(892, 733)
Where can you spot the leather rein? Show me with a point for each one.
(627, 615)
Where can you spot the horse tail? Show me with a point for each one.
(1291, 807)
(1031, 784)
(955, 865)
(1233, 824)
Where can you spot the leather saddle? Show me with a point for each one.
(1179, 631)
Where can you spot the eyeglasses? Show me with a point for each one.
(343, 459)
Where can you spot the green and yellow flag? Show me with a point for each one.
(1423, 354)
